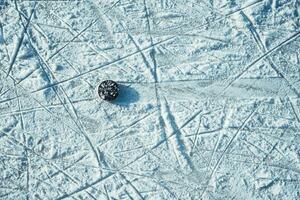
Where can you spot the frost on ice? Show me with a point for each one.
(208, 109)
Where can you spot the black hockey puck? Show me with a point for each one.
(108, 90)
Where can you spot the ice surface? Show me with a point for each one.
(209, 102)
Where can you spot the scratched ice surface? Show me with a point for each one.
(209, 108)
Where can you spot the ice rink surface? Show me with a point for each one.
(208, 109)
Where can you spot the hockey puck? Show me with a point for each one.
(108, 90)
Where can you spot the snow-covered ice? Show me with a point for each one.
(209, 104)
